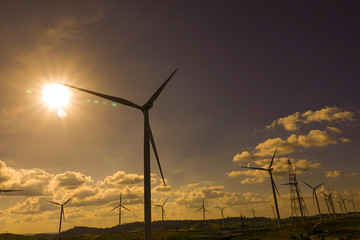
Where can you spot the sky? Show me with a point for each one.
(253, 76)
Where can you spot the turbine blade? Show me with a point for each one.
(111, 98)
(199, 209)
(156, 154)
(263, 169)
(114, 208)
(165, 201)
(164, 213)
(276, 188)
(319, 185)
(55, 203)
(63, 214)
(306, 184)
(11, 190)
(272, 160)
(68, 200)
(125, 208)
(157, 93)
(207, 210)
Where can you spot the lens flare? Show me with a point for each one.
(56, 96)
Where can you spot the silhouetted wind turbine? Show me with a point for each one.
(162, 212)
(203, 209)
(253, 213)
(269, 170)
(148, 137)
(62, 213)
(222, 214)
(120, 206)
(343, 202)
(330, 202)
(341, 208)
(314, 195)
(352, 200)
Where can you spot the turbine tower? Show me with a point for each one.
(148, 137)
(314, 195)
(120, 206)
(297, 200)
(162, 212)
(222, 214)
(269, 170)
(62, 213)
(203, 209)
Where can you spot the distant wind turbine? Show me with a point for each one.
(148, 137)
(352, 200)
(330, 202)
(120, 206)
(222, 214)
(62, 213)
(269, 170)
(344, 204)
(162, 212)
(203, 209)
(253, 213)
(314, 195)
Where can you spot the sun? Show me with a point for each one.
(56, 96)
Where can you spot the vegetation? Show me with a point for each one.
(235, 228)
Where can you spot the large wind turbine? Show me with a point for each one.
(269, 170)
(62, 213)
(148, 137)
(314, 195)
(203, 209)
(162, 212)
(120, 206)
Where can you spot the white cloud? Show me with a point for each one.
(71, 180)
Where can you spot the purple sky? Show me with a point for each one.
(244, 67)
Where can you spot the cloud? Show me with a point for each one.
(293, 143)
(120, 178)
(337, 174)
(327, 114)
(162, 189)
(290, 123)
(71, 180)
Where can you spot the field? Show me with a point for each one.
(235, 228)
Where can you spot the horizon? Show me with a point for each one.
(252, 77)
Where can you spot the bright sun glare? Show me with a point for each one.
(56, 96)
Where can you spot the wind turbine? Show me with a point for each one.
(222, 214)
(148, 137)
(330, 202)
(62, 213)
(269, 170)
(327, 204)
(352, 200)
(343, 202)
(253, 213)
(162, 212)
(203, 209)
(314, 195)
(120, 206)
